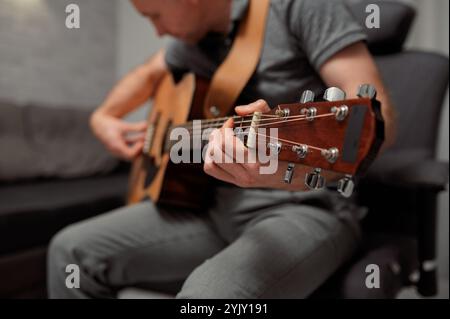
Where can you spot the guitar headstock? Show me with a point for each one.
(337, 134)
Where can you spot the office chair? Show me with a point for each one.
(401, 189)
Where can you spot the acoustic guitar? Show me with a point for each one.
(334, 134)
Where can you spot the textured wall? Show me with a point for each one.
(137, 41)
(43, 61)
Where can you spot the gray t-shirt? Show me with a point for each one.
(301, 35)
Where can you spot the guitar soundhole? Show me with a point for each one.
(150, 169)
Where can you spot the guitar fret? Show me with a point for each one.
(204, 125)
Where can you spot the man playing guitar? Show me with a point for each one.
(261, 237)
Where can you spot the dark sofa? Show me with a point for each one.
(53, 172)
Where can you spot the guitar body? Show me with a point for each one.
(153, 175)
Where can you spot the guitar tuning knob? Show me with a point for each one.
(275, 148)
(334, 94)
(367, 91)
(315, 180)
(331, 155)
(289, 173)
(307, 97)
(346, 186)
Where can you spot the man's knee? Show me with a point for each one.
(64, 245)
(75, 243)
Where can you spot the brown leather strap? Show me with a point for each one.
(235, 72)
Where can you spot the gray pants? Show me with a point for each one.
(251, 244)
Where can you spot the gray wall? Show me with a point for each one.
(137, 42)
(43, 61)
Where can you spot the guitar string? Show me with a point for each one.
(293, 143)
(238, 120)
(236, 117)
(224, 119)
(199, 135)
(280, 139)
(267, 124)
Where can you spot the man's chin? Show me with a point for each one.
(190, 39)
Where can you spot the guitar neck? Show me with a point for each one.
(200, 130)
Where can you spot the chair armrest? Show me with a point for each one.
(410, 169)
(429, 174)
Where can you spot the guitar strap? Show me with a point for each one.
(235, 72)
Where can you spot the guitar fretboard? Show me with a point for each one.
(200, 130)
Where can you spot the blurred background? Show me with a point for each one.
(44, 64)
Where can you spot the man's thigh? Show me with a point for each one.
(287, 252)
(140, 244)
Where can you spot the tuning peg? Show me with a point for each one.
(300, 150)
(307, 97)
(315, 180)
(340, 112)
(283, 113)
(346, 186)
(334, 94)
(331, 155)
(275, 148)
(367, 91)
(310, 113)
(289, 173)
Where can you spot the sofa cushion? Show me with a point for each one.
(32, 212)
(38, 141)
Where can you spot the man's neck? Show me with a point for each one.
(220, 15)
